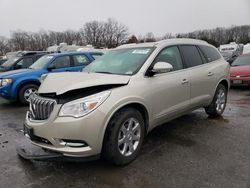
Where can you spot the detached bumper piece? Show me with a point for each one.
(32, 152)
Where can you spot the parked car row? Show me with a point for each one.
(18, 85)
(21, 60)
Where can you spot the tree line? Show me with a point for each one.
(110, 34)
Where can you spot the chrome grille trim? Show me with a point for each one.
(40, 108)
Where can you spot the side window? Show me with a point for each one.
(170, 55)
(191, 55)
(38, 56)
(62, 62)
(96, 56)
(80, 60)
(25, 62)
(210, 53)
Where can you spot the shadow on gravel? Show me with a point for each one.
(10, 104)
(240, 88)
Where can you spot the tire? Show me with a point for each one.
(218, 105)
(23, 93)
(130, 140)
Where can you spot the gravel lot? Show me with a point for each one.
(191, 151)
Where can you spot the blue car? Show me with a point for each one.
(17, 85)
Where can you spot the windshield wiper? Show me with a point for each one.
(104, 72)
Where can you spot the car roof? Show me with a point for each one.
(74, 53)
(165, 43)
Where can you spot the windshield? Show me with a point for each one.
(41, 62)
(241, 61)
(120, 61)
(10, 62)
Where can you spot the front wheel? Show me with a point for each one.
(218, 105)
(124, 136)
(25, 93)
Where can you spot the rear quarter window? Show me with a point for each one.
(210, 53)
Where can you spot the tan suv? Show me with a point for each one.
(107, 109)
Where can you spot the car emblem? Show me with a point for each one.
(237, 76)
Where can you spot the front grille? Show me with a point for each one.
(41, 108)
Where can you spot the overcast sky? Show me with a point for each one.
(141, 16)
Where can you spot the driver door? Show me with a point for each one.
(172, 89)
(61, 64)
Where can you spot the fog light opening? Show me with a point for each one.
(71, 143)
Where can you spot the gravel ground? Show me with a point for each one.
(191, 151)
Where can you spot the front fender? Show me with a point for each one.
(19, 83)
(119, 105)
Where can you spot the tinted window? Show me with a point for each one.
(170, 55)
(241, 61)
(191, 56)
(210, 53)
(24, 63)
(80, 60)
(62, 62)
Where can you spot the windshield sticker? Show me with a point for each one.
(49, 57)
(141, 51)
(129, 72)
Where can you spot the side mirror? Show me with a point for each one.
(162, 67)
(50, 67)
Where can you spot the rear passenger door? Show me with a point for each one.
(201, 82)
(79, 62)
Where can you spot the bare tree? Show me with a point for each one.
(121, 33)
(3, 45)
(19, 39)
(132, 39)
(150, 37)
(93, 32)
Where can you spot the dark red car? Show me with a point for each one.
(240, 71)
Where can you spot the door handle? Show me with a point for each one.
(210, 74)
(184, 81)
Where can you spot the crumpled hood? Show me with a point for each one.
(60, 83)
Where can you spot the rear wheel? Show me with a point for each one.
(218, 105)
(124, 136)
(25, 93)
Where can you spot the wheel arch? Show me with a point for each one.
(225, 83)
(138, 106)
(20, 85)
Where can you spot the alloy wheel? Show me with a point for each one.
(220, 101)
(129, 137)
